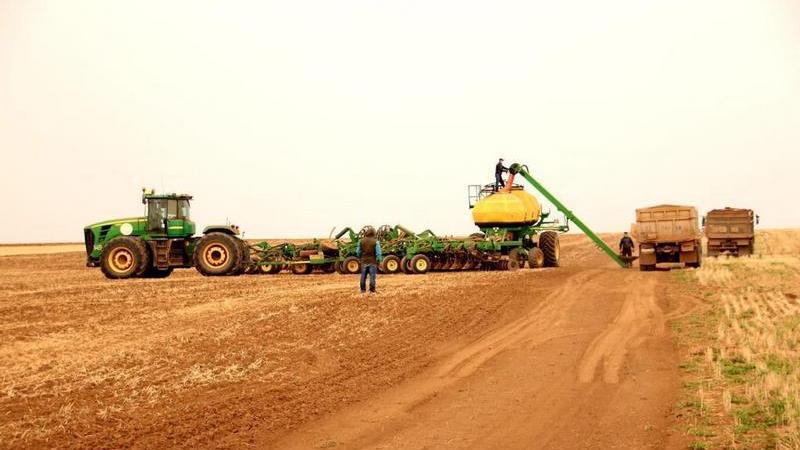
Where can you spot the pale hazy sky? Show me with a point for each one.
(291, 117)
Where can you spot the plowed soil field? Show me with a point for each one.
(574, 357)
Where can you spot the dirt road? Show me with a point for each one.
(588, 365)
(574, 357)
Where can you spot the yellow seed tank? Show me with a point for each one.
(507, 209)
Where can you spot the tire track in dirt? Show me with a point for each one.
(531, 382)
(639, 318)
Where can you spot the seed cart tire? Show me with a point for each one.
(270, 269)
(339, 266)
(535, 258)
(420, 264)
(512, 264)
(154, 272)
(302, 269)
(516, 255)
(351, 265)
(218, 254)
(124, 257)
(405, 265)
(548, 242)
(391, 264)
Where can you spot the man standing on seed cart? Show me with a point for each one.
(369, 250)
(498, 175)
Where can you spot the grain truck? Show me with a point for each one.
(730, 231)
(668, 235)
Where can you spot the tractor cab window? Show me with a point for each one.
(183, 209)
(157, 214)
(162, 210)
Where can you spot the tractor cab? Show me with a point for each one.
(167, 214)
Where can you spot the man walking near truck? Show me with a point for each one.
(498, 175)
(369, 251)
(626, 245)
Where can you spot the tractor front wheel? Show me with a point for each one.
(124, 257)
(218, 254)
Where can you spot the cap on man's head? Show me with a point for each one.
(501, 159)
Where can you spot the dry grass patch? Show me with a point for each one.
(743, 366)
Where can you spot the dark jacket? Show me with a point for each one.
(369, 250)
(626, 242)
(499, 169)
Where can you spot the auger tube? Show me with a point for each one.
(522, 170)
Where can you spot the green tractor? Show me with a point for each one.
(162, 240)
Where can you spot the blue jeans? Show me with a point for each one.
(498, 182)
(373, 273)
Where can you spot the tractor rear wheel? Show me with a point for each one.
(391, 264)
(420, 264)
(535, 258)
(218, 254)
(548, 242)
(124, 257)
(351, 265)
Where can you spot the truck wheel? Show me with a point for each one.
(535, 258)
(302, 269)
(548, 242)
(124, 257)
(420, 264)
(391, 264)
(218, 254)
(155, 272)
(351, 265)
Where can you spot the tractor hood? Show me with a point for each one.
(132, 220)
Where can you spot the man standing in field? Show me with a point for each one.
(498, 175)
(369, 250)
(626, 245)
